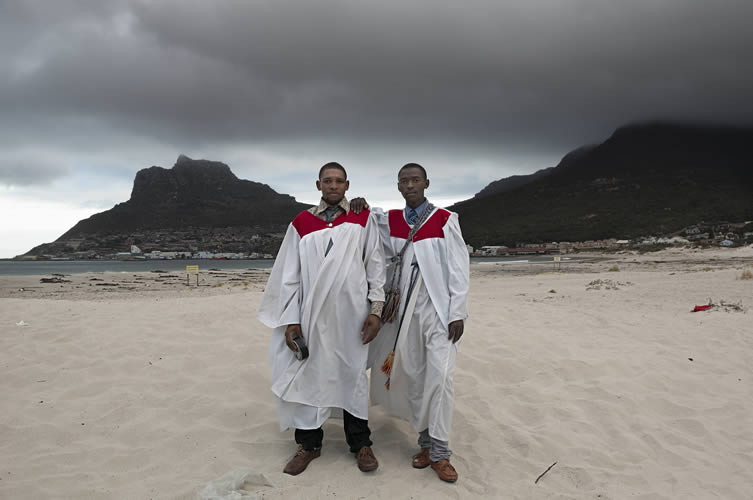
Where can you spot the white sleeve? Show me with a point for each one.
(459, 270)
(383, 222)
(373, 259)
(281, 303)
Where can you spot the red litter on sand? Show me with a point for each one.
(700, 308)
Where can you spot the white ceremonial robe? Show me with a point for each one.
(328, 294)
(421, 389)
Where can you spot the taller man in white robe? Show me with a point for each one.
(326, 286)
(428, 321)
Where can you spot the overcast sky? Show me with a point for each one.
(91, 91)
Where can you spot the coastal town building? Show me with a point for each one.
(244, 243)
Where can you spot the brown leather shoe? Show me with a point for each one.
(421, 460)
(445, 471)
(300, 461)
(367, 462)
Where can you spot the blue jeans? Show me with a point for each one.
(438, 450)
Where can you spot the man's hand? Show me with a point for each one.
(358, 204)
(456, 330)
(291, 332)
(370, 328)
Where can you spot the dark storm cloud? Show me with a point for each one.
(93, 90)
(545, 75)
(21, 172)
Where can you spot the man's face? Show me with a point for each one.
(411, 183)
(333, 185)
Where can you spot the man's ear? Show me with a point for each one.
(318, 185)
(427, 184)
(347, 185)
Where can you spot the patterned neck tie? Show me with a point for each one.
(412, 217)
(330, 213)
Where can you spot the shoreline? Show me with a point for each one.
(145, 284)
(70, 267)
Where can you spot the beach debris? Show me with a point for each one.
(54, 279)
(235, 485)
(722, 305)
(598, 284)
(552, 291)
(728, 306)
(747, 274)
(542, 474)
(22, 323)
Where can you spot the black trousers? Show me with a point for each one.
(357, 434)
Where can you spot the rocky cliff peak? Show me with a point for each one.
(193, 193)
(187, 179)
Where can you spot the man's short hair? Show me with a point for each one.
(332, 164)
(413, 165)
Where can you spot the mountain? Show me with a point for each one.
(512, 182)
(653, 178)
(196, 200)
(516, 181)
(196, 193)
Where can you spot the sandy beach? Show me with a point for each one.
(136, 386)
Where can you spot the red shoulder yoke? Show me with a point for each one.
(306, 222)
(432, 228)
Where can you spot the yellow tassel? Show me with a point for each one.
(387, 368)
(387, 365)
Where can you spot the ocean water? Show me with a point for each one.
(16, 268)
(38, 268)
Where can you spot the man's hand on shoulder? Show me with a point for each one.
(358, 204)
(291, 332)
(370, 328)
(456, 330)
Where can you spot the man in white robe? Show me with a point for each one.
(326, 286)
(428, 321)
